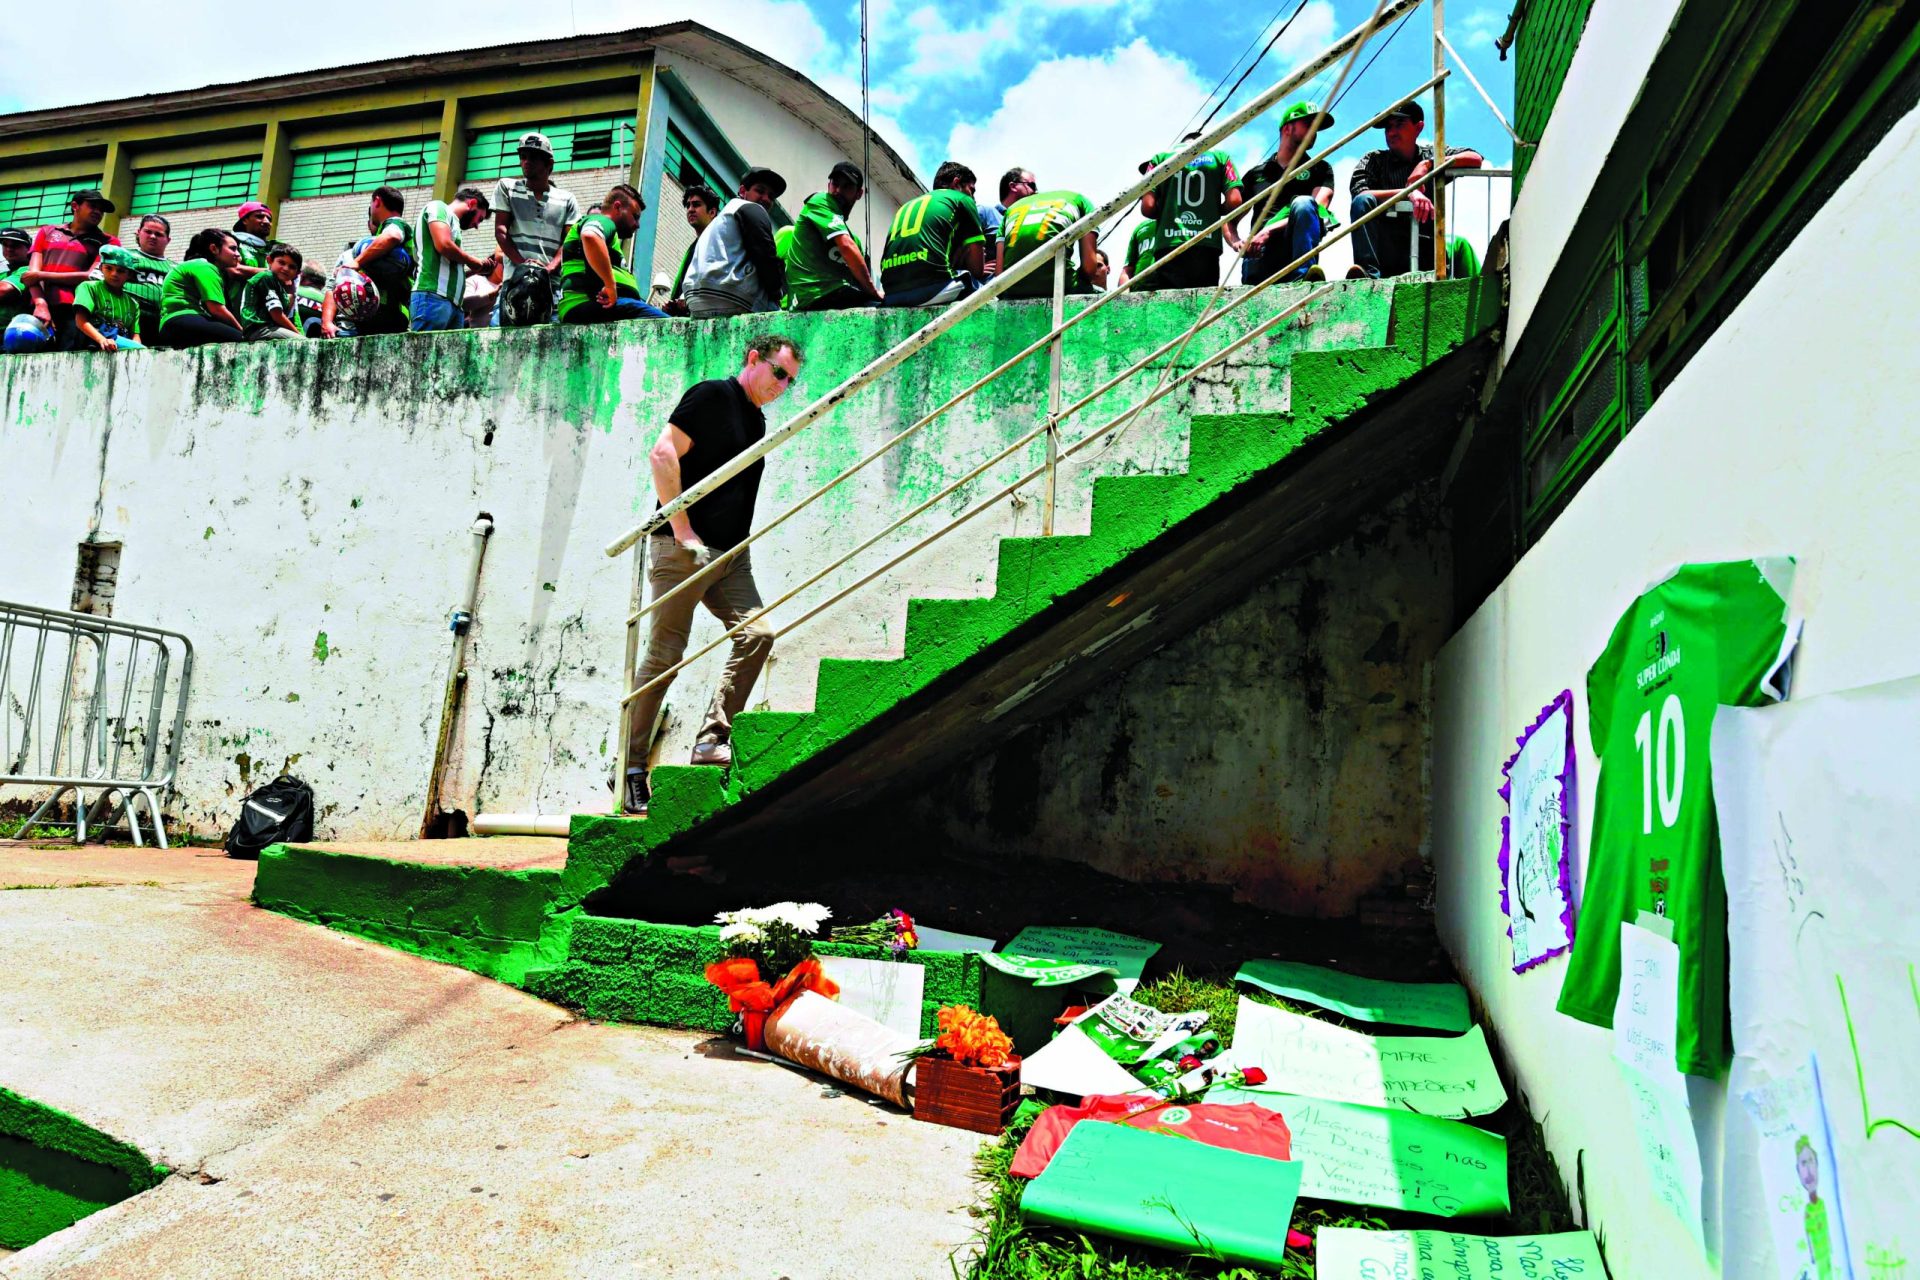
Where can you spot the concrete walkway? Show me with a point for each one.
(335, 1108)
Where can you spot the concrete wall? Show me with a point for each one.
(768, 134)
(1778, 437)
(302, 513)
(1616, 49)
(1281, 749)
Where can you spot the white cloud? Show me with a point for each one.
(938, 48)
(1479, 29)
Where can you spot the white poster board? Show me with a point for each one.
(888, 991)
(1819, 828)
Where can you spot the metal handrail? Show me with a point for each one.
(1065, 242)
(1120, 420)
(1261, 208)
(1013, 274)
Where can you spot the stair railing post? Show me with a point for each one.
(1054, 361)
(1439, 144)
(627, 668)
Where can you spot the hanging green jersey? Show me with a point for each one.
(1032, 222)
(1710, 634)
(815, 265)
(578, 281)
(1142, 246)
(1193, 198)
(928, 240)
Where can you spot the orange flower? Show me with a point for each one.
(972, 1039)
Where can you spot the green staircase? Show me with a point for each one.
(1091, 603)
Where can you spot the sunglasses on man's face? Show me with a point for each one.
(780, 374)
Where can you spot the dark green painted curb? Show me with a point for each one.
(55, 1170)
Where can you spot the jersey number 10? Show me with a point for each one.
(1663, 761)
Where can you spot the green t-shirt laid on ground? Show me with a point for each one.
(1708, 635)
(815, 265)
(1032, 222)
(435, 272)
(1142, 246)
(1193, 198)
(108, 307)
(190, 288)
(928, 240)
(261, 298)
(578, 283)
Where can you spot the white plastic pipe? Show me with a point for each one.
(522, 824)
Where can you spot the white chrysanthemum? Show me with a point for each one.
(741, 931)
(803, 917)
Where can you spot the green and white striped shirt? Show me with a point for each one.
(437, 273)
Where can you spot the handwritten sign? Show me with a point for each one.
(1536, 883)
(1069, 955)
(1434, 1075)
(1441, 1006)
(1388, 1159)
(1645, 1016)
(1348, 1253)
(1818, 809)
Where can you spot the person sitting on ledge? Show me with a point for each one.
(736, 268)
(714, 423)
(826, 266)
(1381, 248)
(1298, 218)
(266, 300)
(105, 316)
(1034, 220)
(595, 285)
(936, 247)
(193, 302)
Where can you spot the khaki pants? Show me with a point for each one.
(729, 595)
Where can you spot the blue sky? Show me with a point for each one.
(1078, 90)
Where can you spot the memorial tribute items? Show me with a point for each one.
(1536, 837)
(1707, 635)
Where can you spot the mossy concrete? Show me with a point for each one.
(56, 1170)
(652, 973)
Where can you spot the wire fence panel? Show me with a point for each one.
(94, 709)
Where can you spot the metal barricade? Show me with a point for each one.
(93, 707)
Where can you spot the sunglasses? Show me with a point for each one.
(779, 373)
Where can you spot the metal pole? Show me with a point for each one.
(1054, 352)
(632, 657)
(1439, 142)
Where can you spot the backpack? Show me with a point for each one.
(281, 812)
(526, 298)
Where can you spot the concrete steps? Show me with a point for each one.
(1162, 551)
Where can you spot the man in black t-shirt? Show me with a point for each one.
(1289, 225)
(1381, 247)
(715, 422)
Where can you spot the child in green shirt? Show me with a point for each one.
(266, 300)
(104, 313)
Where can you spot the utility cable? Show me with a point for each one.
(1255, 65)
(1233, 67)
(866, 130)
(1370, 61)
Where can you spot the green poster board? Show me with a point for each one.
(1439, 1006)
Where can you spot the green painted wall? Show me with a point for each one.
(1542, 52)
(55, 1170)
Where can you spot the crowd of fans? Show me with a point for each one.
(73, 287)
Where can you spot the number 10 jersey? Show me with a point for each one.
(1710, 634)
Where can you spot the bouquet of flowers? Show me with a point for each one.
(776, 937)
(968, 1038)
(894, 931)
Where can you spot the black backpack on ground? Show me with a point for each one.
(279, 813)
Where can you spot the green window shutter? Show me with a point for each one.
(1542, 53)
(602, 142)
(339, 171)
(194, 186)
(40, 203)
(686, 166)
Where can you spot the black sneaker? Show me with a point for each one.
(638, 793)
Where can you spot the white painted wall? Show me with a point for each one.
(265, 496)
(1608, 69)
(1785, 434)
(766, 133)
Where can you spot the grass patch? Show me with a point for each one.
(1010, 1249)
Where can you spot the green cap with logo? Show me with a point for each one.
(1305, 111)
(115, 256)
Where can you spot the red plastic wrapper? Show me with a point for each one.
(1241, 1126)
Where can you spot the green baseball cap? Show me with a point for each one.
(115, 256)
(1305, 111)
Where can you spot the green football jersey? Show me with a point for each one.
(1142, 246)
(1032, 222)
(261, 298)
(1194, 198)
(928, 240)
(815, 265)
(578, 282)
(1710, 634)
(433, 271)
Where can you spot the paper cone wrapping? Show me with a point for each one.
(825, 1036)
